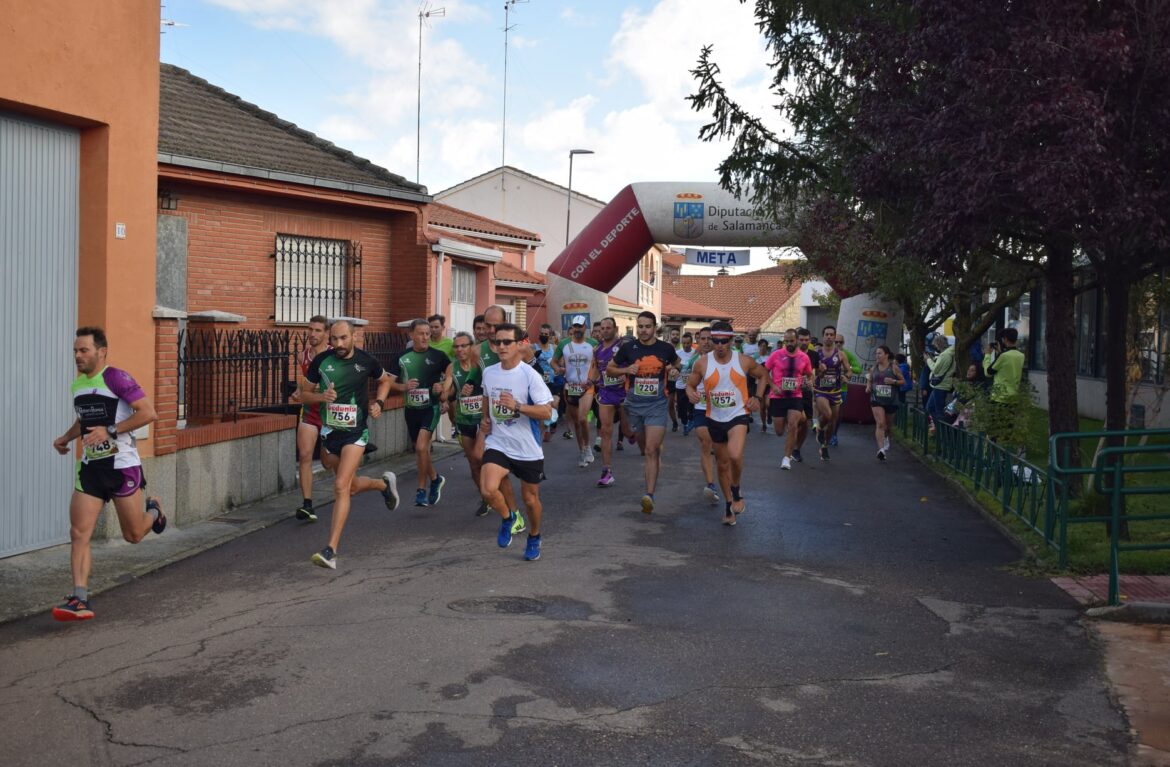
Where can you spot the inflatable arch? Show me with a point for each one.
(641, 214)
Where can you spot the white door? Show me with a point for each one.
(39, 172)
(462, 298)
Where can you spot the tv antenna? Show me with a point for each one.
(504, 123)
(163, 23)
(425, 14)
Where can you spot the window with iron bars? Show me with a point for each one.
(316, 276)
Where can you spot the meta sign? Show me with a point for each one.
(702, 257)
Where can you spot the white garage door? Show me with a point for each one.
(39, 170)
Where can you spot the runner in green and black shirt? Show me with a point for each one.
(419, 373)
(338, 382)
(463, 398)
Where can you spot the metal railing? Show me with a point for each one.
(224, 373)
(1042, 498)
(1110, 472)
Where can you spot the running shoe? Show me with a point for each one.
(583, 459)
(824, 453)
(881, 455)
(325, 558)
(390, 494)
(786, 463)
(686, 429)
(420, 497)
(597, 445)
(509, 526)
(588, 456)
(532, 550)
(73, 609)
(606, 479)
(711, 493)
(729, 518)
(160, 522)
(886, 445)
(436, 489)
(305, 513)
(797, 457)
(675, 427)
(632, 439)
(519, 526)
(647, 504)
(568, 434)
(620, 445)
(482, 510)
(833, 441)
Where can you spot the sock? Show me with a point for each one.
(308, 504)
(81, 592)
(728, 507)
(735, 492)
(534, 537)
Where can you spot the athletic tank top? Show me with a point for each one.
(577, 358)
(604, 355)
(830, 380)
(727, 389)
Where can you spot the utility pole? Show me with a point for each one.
(504, 122)
(423, 14)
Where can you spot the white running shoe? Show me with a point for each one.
(886, 445)
(786, 464)
(583, 460)
(588, 455)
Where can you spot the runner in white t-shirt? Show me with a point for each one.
(516, 402)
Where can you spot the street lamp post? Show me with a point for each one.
(569, 202)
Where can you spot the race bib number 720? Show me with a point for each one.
(646, 387)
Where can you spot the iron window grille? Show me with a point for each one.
(316, 276)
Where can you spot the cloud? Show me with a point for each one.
(573, 17)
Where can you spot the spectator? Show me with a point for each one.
(908, 386)
(942, 371)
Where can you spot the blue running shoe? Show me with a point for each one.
(833, 441)
(420, 498)
(325, 558)
(504, 539)
(532, 550)
(160, 522)
(437, 489)
(75, 609)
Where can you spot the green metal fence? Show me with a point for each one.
(1040, 497)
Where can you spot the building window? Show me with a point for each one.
(316, 276)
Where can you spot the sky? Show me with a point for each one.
(607, 75)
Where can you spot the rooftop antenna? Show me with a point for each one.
(168, 22)
(425, 13)
(504, 127)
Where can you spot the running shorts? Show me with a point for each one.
(719, 430)
(334, 440)
(101, 480)
(834, 397)
(653, 413)
(528, 472)
(572, 400)
(311, 416)
(778, 407)
(807, 397)
(421, 419)
(468, 431)
(699, 419)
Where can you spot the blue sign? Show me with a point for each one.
(688, 220)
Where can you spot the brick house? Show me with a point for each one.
(763, 299)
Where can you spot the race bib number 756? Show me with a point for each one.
(341, 416)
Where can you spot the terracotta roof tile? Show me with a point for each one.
(671, 258)
(677, 306)
(202, 121)
(505, 271)
(751, 298)
(445, 215)
(622, 302)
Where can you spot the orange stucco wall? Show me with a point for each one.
(94, 65)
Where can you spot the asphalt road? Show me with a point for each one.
(859, 614)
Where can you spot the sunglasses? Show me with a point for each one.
(720, 341)
(502, 341)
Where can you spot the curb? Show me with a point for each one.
(1132, 612)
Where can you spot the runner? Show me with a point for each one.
(882, 384)
(309, 426)
(646, 362)
(421, 373)
(610, 396)
(515, 402)
(492, 316)
(446, 431)
(675, 340)
(854, 365)
(682, 404)
(751, 347)
(555, 383)
(833, 366)
(110, 405)
(791, 371)
(479, 329)
(804, 343)
(338, 381)
(574, 360)
(699, 418)
(726, 378)
(463, 395)
(763, 351)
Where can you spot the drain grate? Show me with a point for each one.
(495, 605)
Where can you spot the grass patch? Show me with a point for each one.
(1088, 543)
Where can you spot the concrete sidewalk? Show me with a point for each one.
(32, 583)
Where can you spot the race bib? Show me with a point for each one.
(471, 405)
(574, 389)
(615, 381)
(418, 397)
(789, 384)
(646, 387)
(341, 416)
(103, 449)
(501, 413)
(883, 391)
(723, 399)
(829, 381)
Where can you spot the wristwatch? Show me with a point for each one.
(381, 405)
(112, 430)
